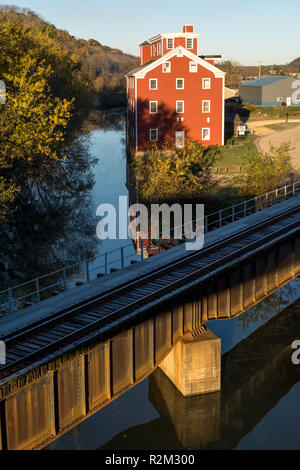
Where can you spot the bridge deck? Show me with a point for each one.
(52, 327)
(83, 293)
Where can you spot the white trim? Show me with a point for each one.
(186, 41)
(180, 101)
(181, 132)
(204, 129)
(127, 107)
(182, 82)
(166, 62)
(203, 87)
(173, 52)
(141, 52)
(153, 112)
(193, 63)
(156, 132)
(156, 85)
(174, 35)
(205, 101)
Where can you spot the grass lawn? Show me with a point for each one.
(282, 126)
(231, 157)
(255, 113)
(272, 112)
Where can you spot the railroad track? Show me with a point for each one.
(38, 342)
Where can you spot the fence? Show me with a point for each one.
(34, 291)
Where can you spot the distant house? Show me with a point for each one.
(230, 93)
(175, 96)
(270, 91)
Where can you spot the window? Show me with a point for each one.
(179, 83)
(206, 134)
(206, 83)
(153, 135)
(279, 99)
(167, 67)
(153, 84)
(170, 43)
(179, 139)
(193, 67)
(206, 106)
(179, 106)
(153, 107)
(189, 43)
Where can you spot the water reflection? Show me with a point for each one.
(55, 224)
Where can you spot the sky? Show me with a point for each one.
(242, 31)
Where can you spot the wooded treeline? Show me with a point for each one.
(105, 67)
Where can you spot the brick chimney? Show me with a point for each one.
(188, 28)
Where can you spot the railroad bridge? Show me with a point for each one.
(242, 263)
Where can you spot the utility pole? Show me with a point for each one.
(259, 67)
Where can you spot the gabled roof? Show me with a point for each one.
(142, 70)
(145, 43)
(140, 67)
(263, 81)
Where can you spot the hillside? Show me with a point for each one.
(294, 66)
(104, 66)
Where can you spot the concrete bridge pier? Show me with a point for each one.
(194, 364)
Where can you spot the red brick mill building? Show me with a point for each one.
(174, 95)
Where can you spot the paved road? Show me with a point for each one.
(276, 138)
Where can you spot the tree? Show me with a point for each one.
(38, 117)
(234, 74)
(180, 174)
(266, 171)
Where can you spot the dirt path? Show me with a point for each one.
(260, 129)
(276, 138)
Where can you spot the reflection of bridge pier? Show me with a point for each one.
(185, 388)
(196, 419)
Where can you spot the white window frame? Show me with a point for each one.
(166, 71)
(170, 39)
(180, 101)
(186, 43)
(203, 81)
(182, 83)
(153, 112)
(203, 104)
(193, 63)
(206, 129)
(179, 146)
(150, 80)
(156, 135)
